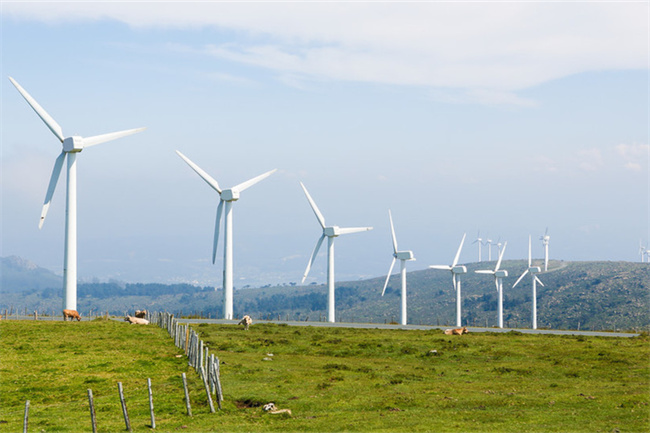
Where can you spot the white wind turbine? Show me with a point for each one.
(403, 256)
(478, 241)
(71, 147)
(643, 251)
(456, 272)
(499, 275)
(330, 232)
(488, 242)
(533, 270)
(545, 240)
(227, 196)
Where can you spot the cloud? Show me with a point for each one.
(635, 156)
(484, 52)
(590, 159)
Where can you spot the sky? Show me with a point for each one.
(504, 118)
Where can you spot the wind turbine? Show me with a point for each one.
(488, 242)
(478, 241)
(227, 196)
(330, 232)
(643, 252)
(499, 244)
(71, 147)
(403, 256)
(456, 271)
(499, 275)
(533, 270)
(545, 240)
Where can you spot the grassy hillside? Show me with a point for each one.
(576, 295)
(332, 379)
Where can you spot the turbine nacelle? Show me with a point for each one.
(404, 255)
(459, 270)
(230, 195)
(534, 269)
(501, 273)
(73, 144)
(332, 231)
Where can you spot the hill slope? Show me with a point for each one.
(576, 295)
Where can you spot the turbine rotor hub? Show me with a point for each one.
(73, 144)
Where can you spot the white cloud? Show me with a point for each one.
(635, 156)
(489, 50)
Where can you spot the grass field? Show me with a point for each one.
(332, 379)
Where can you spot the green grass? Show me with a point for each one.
(333, 379)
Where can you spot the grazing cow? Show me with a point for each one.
(457, 331)
(72, 314)
(136, 320)
(141, 314)
(246, 321)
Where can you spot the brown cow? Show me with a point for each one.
(72, 314)
(457, 331)
(141, 314)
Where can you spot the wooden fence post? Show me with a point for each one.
(207, 391)
(153, 418)
(26, 419)
(93, 420)
(124, 411)
(187, 396)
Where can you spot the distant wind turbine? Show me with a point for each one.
(488, 242)
(533, 271)
(545, 240)
(403, 256)
(499, 275)
(329, 232)
(456, 272)
(643, 251)
(227, 196)
(478, 241)
(71, 147)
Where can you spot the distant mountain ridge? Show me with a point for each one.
(575, 295)
(18, 275)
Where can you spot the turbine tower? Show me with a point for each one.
(478, 241)
(227, 196)
(71, 147)
(533, 271)
(643, 251)
(456, 272)
(499, 275)
(330, 232)
(488, 242)
(403, 256)
(545, 240)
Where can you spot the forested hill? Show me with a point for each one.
(585, 295)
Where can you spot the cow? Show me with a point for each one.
(246, 321)
(141, 314)
(457, 331)
(72, 314)
(136, 320)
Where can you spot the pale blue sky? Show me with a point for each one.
(499, 117)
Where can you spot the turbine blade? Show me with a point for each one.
(520, 278)
(458, 252)
(453, 280)
(205, 176)
(390, 271)
(319, 216)
(392, 231)
(245, 185)
(56, 172)
(496, 282)
(312, 258)
(98, 139)
(539, 281)
(441, 267)
(49, 121)
(348, 230)
(485, 271)
(501, 256)
(217, 226)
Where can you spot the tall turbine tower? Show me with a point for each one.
(478, 241)
(533, 270)
(488, 242)
(643, 252)
(499, 275)
(71, 147)
(403, 256)
(545, 240)
(227, 196)
(456, 272)
(330, 232)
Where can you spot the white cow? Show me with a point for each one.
(246, 321)
(136, 320)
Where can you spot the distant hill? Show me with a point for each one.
(19, 275)
(584, 295)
